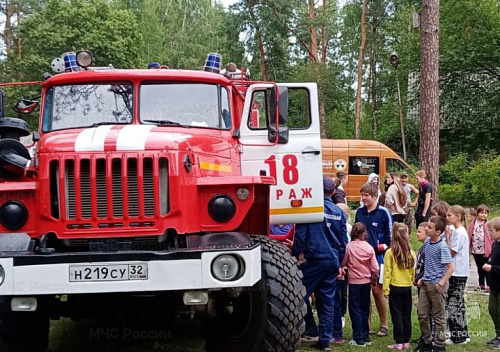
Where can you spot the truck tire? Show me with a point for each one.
(23, 331)
(266, 317)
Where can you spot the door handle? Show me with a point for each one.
(315, 152)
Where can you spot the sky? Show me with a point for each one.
(226, 3)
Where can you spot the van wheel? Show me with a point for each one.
(266, 317)
(23, 331)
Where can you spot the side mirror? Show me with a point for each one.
(25, 106)
(279, 130)
(281, 134)
(282, 105)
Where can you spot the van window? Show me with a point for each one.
(363, 165)
(395, 165)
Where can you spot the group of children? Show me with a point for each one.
(439, 270)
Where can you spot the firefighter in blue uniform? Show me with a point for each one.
(322, 246)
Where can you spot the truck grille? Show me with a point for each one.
(109, 188)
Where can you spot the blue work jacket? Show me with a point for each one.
(323, 240)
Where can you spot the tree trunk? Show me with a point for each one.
(373, 67)
(10, 9)
(323, 34)
(19, 39)
(260, 43)
(322, 114)
(262, 54)
(429, 92)
(313, 45)
(373, 89)
(360, 68)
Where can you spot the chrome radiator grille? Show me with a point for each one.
(109, 188)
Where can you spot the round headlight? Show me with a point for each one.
(2, 275)
(225, 267)
(84, 58)
(221, 208)
(13, 215)
(242, 193)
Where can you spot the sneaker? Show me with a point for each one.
(308, 338)
(359, 343)
(367, 341)
(479, 288)
(406, 346)
(423, 347)
(451, 342)
(337, 340)
(438, 349)
(495, 345)
(321, 347)
(396, 347)
(492, 341)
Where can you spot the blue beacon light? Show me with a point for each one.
(70, 63)
(213, 63)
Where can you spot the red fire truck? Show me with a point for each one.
(149, 193)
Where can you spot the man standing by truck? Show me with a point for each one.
(323, 246)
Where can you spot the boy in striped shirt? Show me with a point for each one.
(438, 267)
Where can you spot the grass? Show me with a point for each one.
(480, 329)
(66, 335)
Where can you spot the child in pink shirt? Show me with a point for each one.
(363, 269)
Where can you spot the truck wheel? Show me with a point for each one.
(23, 331)
(266, 317)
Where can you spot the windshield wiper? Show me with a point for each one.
(166, 123)
(102, 123)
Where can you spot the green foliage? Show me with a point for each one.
(180, 34)
(469, 69)
(467, 182)
(112, 34)
(131, 33)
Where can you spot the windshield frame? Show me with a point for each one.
(223, 107)
(48, 105)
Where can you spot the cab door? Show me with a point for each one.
(295, 160)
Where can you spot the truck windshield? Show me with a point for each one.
(185, 104)
(87, 105)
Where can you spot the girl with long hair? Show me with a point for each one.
(441, 209)
(480, 243)
(396, 198)
(459, 250)
(399, 274)
(363, 270)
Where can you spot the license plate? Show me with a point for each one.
(114, 272)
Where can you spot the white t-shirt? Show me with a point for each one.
(459, 243)
(408, 194)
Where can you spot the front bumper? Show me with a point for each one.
(30, 274)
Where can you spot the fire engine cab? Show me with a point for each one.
(149, 193)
